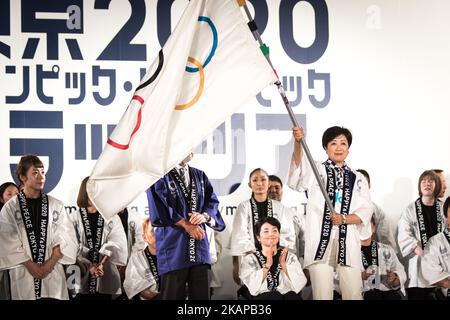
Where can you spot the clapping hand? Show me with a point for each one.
(283, 256)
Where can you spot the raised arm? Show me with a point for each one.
(298, 151)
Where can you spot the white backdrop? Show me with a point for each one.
(389, 79)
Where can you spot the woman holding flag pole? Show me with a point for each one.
(332, 241)
(322, 211)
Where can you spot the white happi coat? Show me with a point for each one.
(384, 232)
(251, 274)
(138, 276)
(408, 238)
(435, 263)
(214, 273)
(302, 178)
(114, 245)
(300, 228)
(15, 250)
(387, 260)
(242, 239)
(135, 238)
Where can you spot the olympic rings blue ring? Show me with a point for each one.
(214, 46)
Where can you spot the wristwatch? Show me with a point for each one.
(207, 217)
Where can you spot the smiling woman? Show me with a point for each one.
(243, 240)
(271, 272)
(332, 238)
(336, 141)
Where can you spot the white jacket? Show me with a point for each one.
(114, 245)
(15, 250)
(435, 263)
(408, 239)
(302, 178)
(242, 239)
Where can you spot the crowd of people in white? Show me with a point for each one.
(346, 252)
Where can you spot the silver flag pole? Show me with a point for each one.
(265, 50)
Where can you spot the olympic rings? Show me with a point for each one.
(214, 46)
(200, 87)
(136, 127)
(141, 101)
(199, 66)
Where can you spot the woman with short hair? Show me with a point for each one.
(271, 272)
(419, 221)
(332, 242)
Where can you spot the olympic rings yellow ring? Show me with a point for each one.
(200, 87)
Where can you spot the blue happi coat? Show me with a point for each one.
(167, 206)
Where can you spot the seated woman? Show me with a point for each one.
(249, 212)
(271, 273)
(141, 276)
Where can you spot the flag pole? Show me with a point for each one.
(265, 51)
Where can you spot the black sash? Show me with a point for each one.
(132, 231)
(273, 273)
(349, 181)
(347, 193)
(421, 221)
(153, 266)
(191, 199)
(93, 242)
(39, 247)
(373, 256)
(255, 214)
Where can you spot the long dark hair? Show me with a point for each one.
(3, 188)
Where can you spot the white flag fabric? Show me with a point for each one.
(209, 67)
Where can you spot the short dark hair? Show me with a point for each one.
(25, 163)
(270, 220)
(437, 182)
(333, 132)
(446, 205)
(83, 198)
(275, 178)
(365, 174)
(437, 170)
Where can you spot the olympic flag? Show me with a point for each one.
(209, 67)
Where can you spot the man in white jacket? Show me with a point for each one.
(36, 238)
